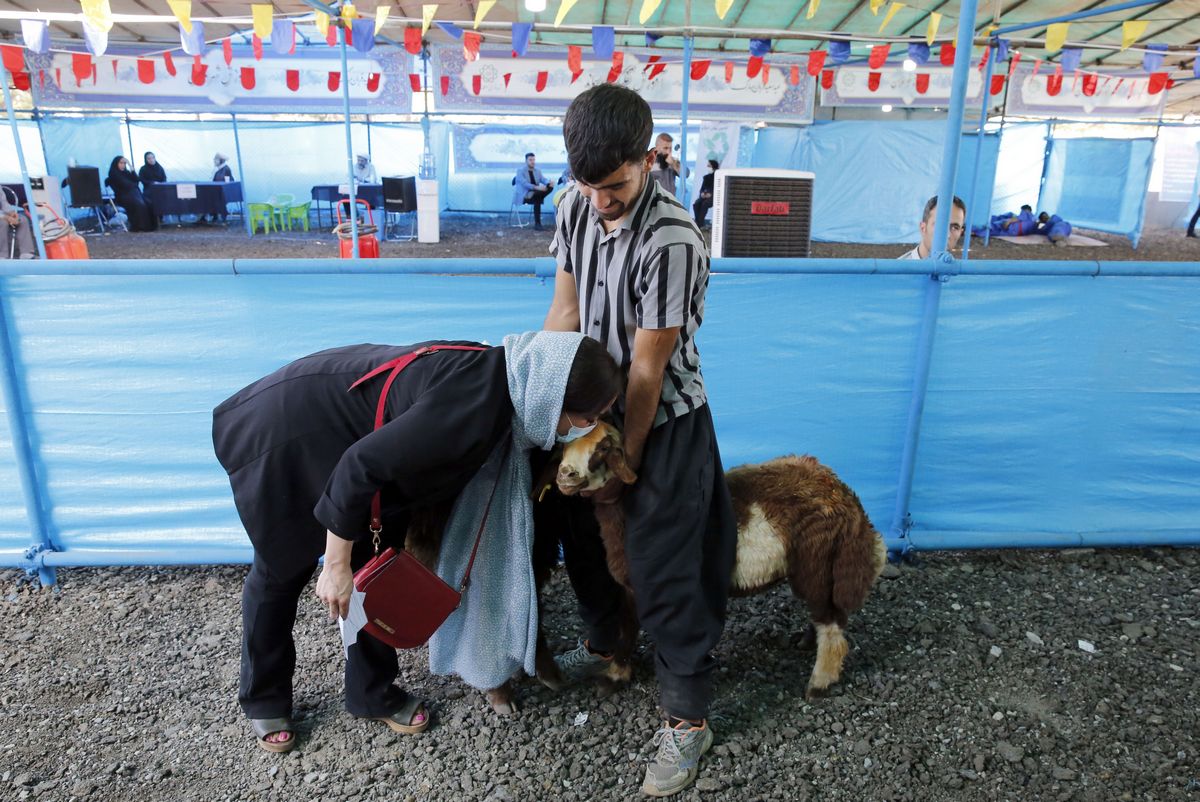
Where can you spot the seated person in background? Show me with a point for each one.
(221, 171)
(364, 171)
(705, 201)
(124, 185)
(530, 186)
(1054, 227)
(958, 215)
(1009, 224)
(16, 236)
(152, 172)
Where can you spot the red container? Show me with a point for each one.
(368, 244)
(68, 246)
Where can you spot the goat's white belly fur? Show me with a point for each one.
(761, 558)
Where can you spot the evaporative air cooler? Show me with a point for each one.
(762, 212)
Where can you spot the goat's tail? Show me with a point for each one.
(860, 558)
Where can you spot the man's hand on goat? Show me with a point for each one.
(609, 494)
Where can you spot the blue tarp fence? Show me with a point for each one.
(1061, 403)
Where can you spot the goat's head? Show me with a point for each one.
(589, 462)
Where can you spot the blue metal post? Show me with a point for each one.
(129, 138)
(683, 191)
(983, 113)
(237, 149)
(349, 139)
(933, 290)
(34, 220)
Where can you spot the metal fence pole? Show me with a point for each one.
(349, 138)
(683, 191)
(34, 220)
(237, 149)
(983, 113)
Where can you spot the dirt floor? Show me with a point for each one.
(984, 676)
(479, 235)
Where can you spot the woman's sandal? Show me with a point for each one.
(404, 720)
(266, 727)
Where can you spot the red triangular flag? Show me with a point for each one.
(922, 83)
(114, 66)
(657, 70)
(651, 61)
(199, 72)
(257, 44)
(827, 79)
(507, 78)
(414, 81)
(618, 62)
(987, 51)
(42, 78)
(445, 81)
(574, 58)
(145, 69)
(247, 77)
(331, 35)
(1012, 64)
(766, 73)
(575, 75)
(878, 57)
(81, 67)
(293, 79)
(700, 68)
(1053, 84)
(349, 33)
(169, 63)
(1037, 66)
(1089, 84)
(753, 66)
(21, 81)
(471, 46)
(728, 72)
(873, 80)
(412, 40)
(1075, 82)
(58, 76)
(227, 50)
(476, 82)
(997, 84)
(13, 57)
(373, 81)
(947, 55)
(816, 60)
(795, 76)
(1157, 82)
(334, 81)
(542, 77)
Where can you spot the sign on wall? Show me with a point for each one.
(1108, 95)
(926, 87)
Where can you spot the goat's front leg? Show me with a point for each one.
(831, 653)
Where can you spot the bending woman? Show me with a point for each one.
(305, 463)
(124, 184)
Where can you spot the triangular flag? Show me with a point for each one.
(997, 84)
(283, 37)
(566, 6)
(813, 5)
(471, 42)
(1196, 64)
(227, 50)
(145, 70)
(520, 37)
(1012, 65)
(373, 81)
(700, 68)
(476, 83)
(263, 14)
(760, 47)
(1001, 51)
(575, 75)
(192, 41)
(363, 34)
(1037, 66)
(827, 79)
(946, 54)
(542, 77)
(816, 61)
(652, 38)
(381, 15)
(82, 67)
(450, 29)
(1132, 30)
(58, 76)
(891, 12)
(873, 79)
(349, 11)
(321, 19)
(1157, 83)
(13, 58)
(97, 14)
(1089, 84)
(21, 81)
(199, 72)
(412, 40)
(754, 67)
(922, 83)
(728, 72)
(247, 78)
(648, 9)
(507, 78)
(293, 79)
(1153, 59)
(1056, 34)
(427, 12)
(839, 51)
(334, 81)
(1053, 84)
(484, 7)
(331, 35)
(182, 9)
(766, 73)
(33, 33)
(574, 58)
(602, 41)
(97, 41)
(723, 7)
(256, 46)
(918, 53)
(618, 63)
(935, 19)
(878, 57)
(1070, 58)
(875, 6)
(169, 63)
(794, 78)
(983, 59)
(414, 81)
(445, 84)
(113, 63)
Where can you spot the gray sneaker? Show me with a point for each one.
(678, 760)
(581, 663)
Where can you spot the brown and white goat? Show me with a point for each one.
(796, 520)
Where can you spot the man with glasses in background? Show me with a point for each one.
(958, 218)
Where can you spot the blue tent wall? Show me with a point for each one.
(92, 141)
(1019, 166)
(1099, 183)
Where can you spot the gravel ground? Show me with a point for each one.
(981, 676)
(488, 236)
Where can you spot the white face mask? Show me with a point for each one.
(574, 433)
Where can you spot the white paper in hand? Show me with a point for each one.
(356, 619)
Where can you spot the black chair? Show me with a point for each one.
(400, 197)
(87, 193)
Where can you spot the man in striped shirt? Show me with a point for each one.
(633, 271)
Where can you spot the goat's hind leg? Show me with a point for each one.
(831, 653)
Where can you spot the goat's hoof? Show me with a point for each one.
(808, 640)
(501, 700)
(813, 693)
(504, 708)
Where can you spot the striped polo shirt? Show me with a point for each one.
(650, 272)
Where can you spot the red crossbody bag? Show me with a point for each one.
(404, 601)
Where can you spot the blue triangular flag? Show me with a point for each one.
(192, 43)
(1001, 51)
(283, 36)
(652, 38)
(839, 51)
(760, 47)
(97, 41)
(33, 31)
(1070, 59)
(362, 31)
(520, 34)
(1196, 64)
(917, 51)
(1152, 61)
(450, 28)
(602, 41)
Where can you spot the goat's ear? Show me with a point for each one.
(600, 452)
(615, 459)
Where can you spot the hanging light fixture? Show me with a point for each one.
(909, 65)
(535, 5)
(887, 107)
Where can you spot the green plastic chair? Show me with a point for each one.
(298, 214)
(282, 202)
(261, 213)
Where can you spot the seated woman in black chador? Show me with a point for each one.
(124, 184)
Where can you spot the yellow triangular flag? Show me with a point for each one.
(484, 7)
(381, 15)
(892, 9)
(98, 14)
(349, 11)
(875, 6)
(723, 7)
(262, 14)
(1131, 31)
(648, 9)
(813, 5)
(1056, 35)
(935, 19)
(427, 12)
(322, 21)
(182, 9)
(566, 6)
